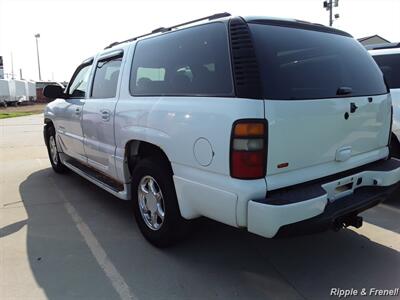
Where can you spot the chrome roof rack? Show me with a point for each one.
(165, 29)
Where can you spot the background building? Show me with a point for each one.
(373, 39)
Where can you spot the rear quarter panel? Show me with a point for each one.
(175, 123)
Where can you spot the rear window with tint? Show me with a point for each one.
(307, 64)
(390, 66)
(193, 61)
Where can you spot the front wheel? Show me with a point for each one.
(52, 150)
(155, 203)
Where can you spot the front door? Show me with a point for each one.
(69, 129)
(98, 114)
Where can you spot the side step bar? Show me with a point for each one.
(122, 191)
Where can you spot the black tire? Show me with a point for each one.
(56, 164)
(394, 147)
(174, 227)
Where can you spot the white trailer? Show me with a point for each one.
(4, 92)
(11, 99)
(30, 87)
(20, 91)
(17, 91)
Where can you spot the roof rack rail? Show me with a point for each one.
(165, 29)
(382, 46)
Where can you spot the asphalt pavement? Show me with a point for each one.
(62, 237)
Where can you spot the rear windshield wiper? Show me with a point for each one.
(344, 90)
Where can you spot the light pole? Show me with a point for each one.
(37, 36)
(12, 66)
(328, 5)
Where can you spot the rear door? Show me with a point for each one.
(98, 113)
(326, 102)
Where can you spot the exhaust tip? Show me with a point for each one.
(356, 222)
(344, 222)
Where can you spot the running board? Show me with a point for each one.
(122, 191)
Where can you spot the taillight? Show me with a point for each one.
(248, 149)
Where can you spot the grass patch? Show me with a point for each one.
(5, 115)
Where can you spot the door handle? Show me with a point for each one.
(105, 114)
(78, 111)
(353, 107)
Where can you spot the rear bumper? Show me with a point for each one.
(318, 205)
(337, 212)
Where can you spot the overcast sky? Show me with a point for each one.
(76, 29)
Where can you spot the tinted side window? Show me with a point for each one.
(106, 78)
(306, 64)
(194, 61)
(390, 66)
(77, 87)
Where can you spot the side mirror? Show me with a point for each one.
(53, 91)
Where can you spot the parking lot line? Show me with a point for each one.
(380, 235)
(117, 281)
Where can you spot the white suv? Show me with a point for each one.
(278, 126)
(387, 56)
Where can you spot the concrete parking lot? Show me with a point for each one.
(61, 237)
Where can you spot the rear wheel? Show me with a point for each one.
(155, 203)
(395, 147)
(52, 150)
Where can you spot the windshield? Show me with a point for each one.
(306, 64)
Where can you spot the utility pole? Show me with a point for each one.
(1, 68)
(12, 66)
(328, 5)
(37, 36)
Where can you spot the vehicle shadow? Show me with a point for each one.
(386, 215)
(216, 261)
(394, 199)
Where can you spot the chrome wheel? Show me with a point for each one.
(53, 150)
(151, 203)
